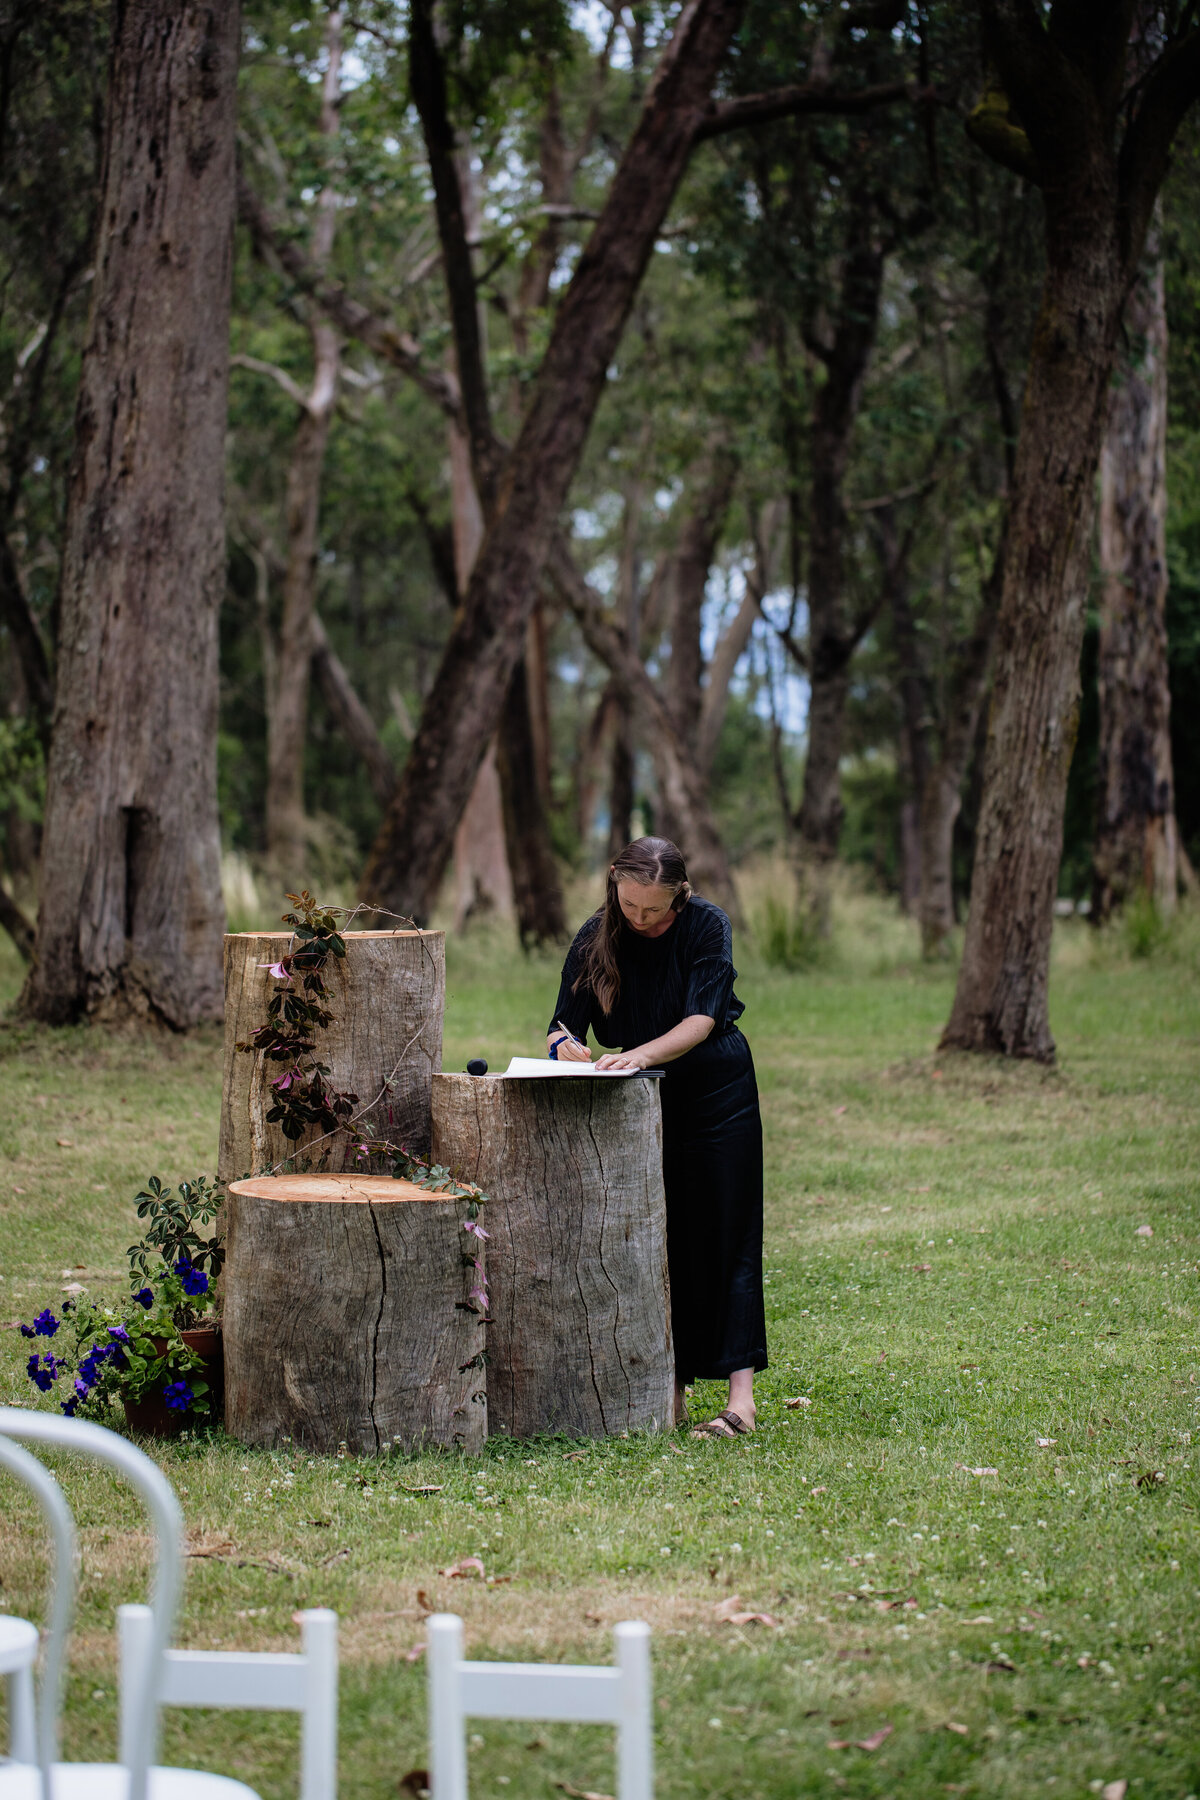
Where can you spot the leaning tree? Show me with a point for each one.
(131, 915)
(1073, 108)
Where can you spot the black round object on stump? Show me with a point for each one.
(579, 1332)
(349, 1317)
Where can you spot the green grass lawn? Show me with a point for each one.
(977, 1528)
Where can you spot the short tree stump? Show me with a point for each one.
(349, 1317)
(579, 1333)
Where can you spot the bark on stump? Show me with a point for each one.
(387, 996)
(579, 1333)
(348, 1315)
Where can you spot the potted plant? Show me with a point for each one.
(158, 1352)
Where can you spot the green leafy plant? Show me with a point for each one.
(172, 1234)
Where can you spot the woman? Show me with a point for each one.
(651, 972)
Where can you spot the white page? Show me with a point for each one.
(537, 1066)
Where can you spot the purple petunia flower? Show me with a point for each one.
(194, 1280)
(178, 1396)
(69, 1406)
(145, 1297)
(45, 1324)
(119, 1332)
(43, 1378)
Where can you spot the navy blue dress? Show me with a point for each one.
(712, 1131)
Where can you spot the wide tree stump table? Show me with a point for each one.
(349, 1317)
(579, 1333)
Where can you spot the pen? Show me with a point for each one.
(559, 1026)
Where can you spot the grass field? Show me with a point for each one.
(979, 1528)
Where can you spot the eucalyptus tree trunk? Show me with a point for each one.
(287, 691)
(131, 916)
(408, 858)
(1000, 1003)
(1136, 845)
(833, 632)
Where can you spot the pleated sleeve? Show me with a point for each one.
(710, 972)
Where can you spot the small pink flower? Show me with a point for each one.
(277, 969)
(476, 1229)
(283, 1082)
(478, 1293)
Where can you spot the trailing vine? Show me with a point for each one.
(301, 1093)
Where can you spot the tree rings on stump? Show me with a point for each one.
(579, 1338)
(387, 996)
(349, 1317)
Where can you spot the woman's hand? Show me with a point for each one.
(569, 1050)
(624, 1059)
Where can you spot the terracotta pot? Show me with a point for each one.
(152, 1416)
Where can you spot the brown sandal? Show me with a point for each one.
(737, 1427)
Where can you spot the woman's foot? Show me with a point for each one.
(740, 1416)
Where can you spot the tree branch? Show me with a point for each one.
(291, 388)
(391, 345)
(13, 920)
(18, 616)
(427, 84)
(804, 98)
(1171, 87)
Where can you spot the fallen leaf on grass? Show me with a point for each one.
(470, 1565)
(565, 1787)
(1000, 1665)
(423, 1600)
(922, 1268)
(976, 1469)
(752, 1618)
(818, 1490)
(414, 1655)
(219, 1545)
(1114, 1790)
(594, 1618)
(1142, 1231)
(983, 1619)
(1046, 1443)
(574, 1455)
(725, 1609)
(868, 1743)
(953, 1725)
(416, 1783)
(853, 1655)
(498, 1580)
(65, 1143)
(429, 1488)
(800, 1400)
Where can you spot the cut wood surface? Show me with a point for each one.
(579, 1338)
(348, 1315)
(387, 997)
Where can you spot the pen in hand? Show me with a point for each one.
(572, 1039)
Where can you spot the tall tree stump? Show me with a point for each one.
(387, 996)
(579, 1338)
(349, 1317)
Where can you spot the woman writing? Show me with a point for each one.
(650, 972)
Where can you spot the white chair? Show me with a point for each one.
(619, 1694)
(262, 1681)
(33, 1730)
(134, 1778)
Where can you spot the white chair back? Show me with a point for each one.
(263, 1681)
(619, 1695)
(64, 1575)
(79, 1435)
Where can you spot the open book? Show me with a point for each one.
(536, 1066)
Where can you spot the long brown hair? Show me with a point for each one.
(651, 862)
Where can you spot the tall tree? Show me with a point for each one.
(1064, 112)
(131, 915)
(1136, 844)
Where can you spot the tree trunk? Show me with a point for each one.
(287, 711)
(348, 1317)
(350, 715)
(483, 884)
(579, 1338)
(1136, 841)
(407, 861)
(131, 913)
(387, 996)
(833, 636)
(620, 780)
(537, 891)
(1000, 1004)
(680, 783)
(690, 563)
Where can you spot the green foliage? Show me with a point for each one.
(1143, 927)
(172, 1233)
(787, 937)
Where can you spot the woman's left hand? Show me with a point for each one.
(625, 1059)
